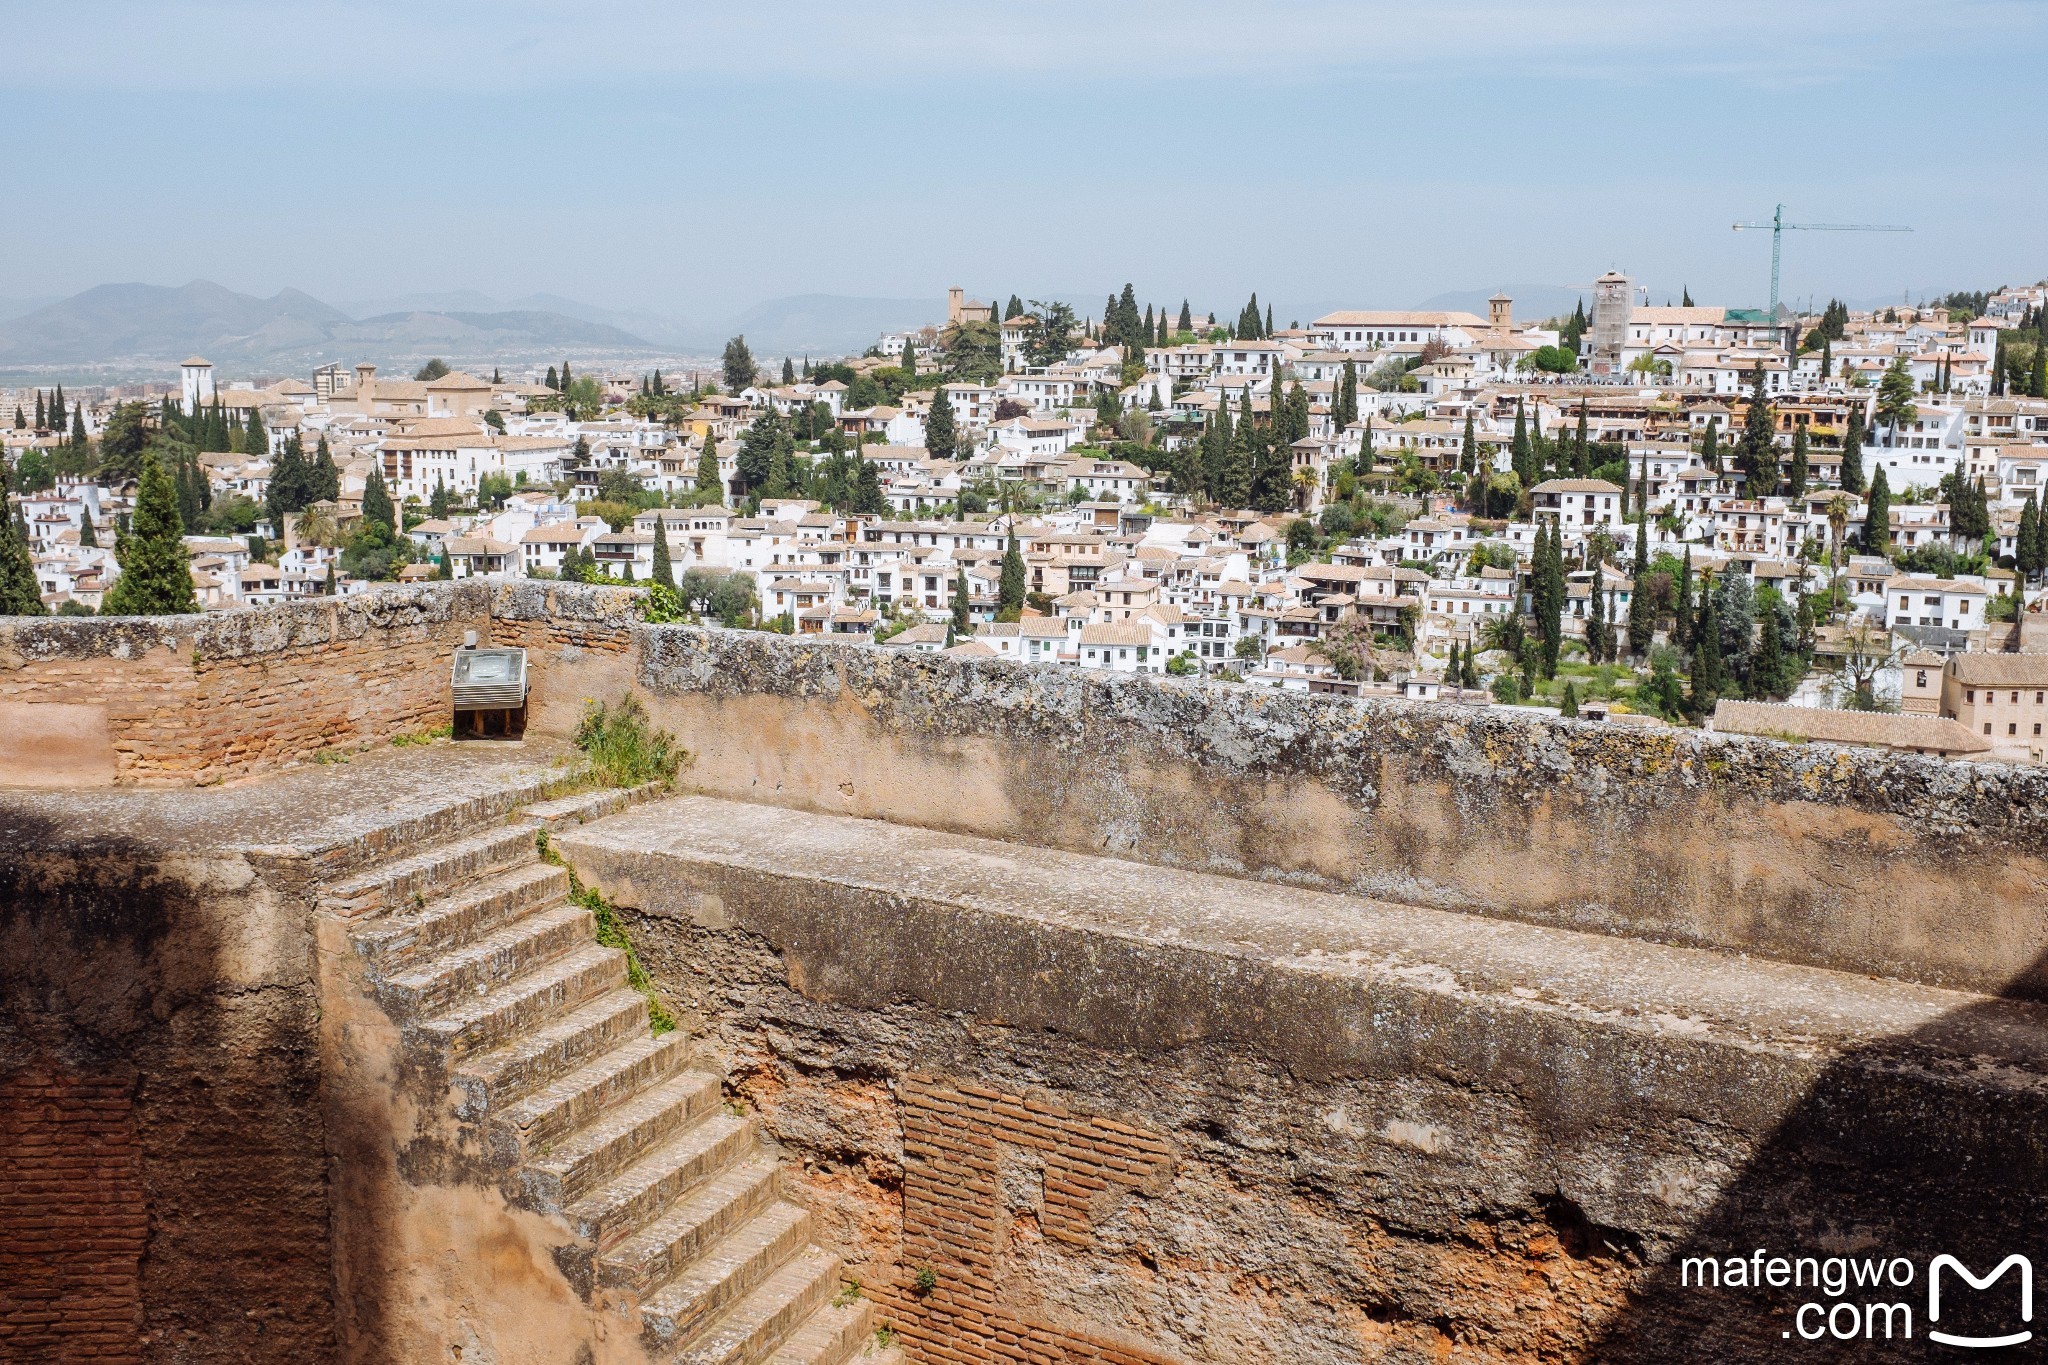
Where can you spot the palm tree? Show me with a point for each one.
(316, 527)
(1304, 487)
(1838, 523)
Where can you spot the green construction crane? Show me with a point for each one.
(1779, 227)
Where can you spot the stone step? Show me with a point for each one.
(557, 1177)
(504, 954)
(701, 1309)
(540, 996)
(832, 1335)
(462, 917)
(492, 1080)
(708, 1212)
(639, 1194)
(419, 878)
(555, 1110)
(584, 807)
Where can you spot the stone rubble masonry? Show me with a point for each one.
(73, 1216)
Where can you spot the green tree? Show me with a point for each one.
(552, 381)
(1707, 677)
(1877, 516)
(1186, 322)
(156, 577)
(664, 568)
(1568, 707)
(737, 365)
(290, 487)
(1522, 453)
(1010, 587)
(436, 368)
(1795, 486)
(708, 479)
(33, 472)
(20, 593)
(123, 441)
(323, 479)
(1051, 333)
(1347, 399)
(940, 432)
(1642, 626)
(437, 505)
(2027, 544)
(963, 619)
(1710, 446)
(1758, 451)
(1895, 399)
(1852, 450)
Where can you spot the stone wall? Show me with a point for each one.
(1895, 865)
(1120, 1114)
(173, 701)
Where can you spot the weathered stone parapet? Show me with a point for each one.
(1895, 865)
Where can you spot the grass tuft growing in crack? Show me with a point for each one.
(611, 934)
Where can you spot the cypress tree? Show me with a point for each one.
(788, 371)
(78, 425)
(1267, 331)
(1471, 677)
(20, 593)
(1796, 485)
(1877, 516)
(255, 440)
(1582, 460)
(88, 537)
(20, 419)
(1451, 673)
(2037, 380)
(707, 468)
(551, 381)
(156, 579)
(1187, 319)
(1852, 450)
(1569, 707)
(565, 376)
(1347, 401)
(42, 413)
(1641, 628)
(1468, 452)
(1766, 674)
(1234, 484)
(1759, 452)
(664, 568)
(290, 484)
(1522, 457)
(323, 480)
(940, 432)
(2026, 544)
(1707, 675)
(963, 606)
(1681, 621)
(1010, 588)
(1710, 446)
(438, 503)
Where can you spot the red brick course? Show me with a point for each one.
(954, 1220)
(73, 1217)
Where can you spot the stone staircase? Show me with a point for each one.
(679, 1219)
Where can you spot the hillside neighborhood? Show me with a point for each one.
(1825, 526)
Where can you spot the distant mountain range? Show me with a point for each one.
(121, 330)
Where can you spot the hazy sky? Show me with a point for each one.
(697, 158)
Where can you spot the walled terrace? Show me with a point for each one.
(1069, 1018)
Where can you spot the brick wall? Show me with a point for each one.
(174, 701)
(992, 1180)
(73, 1220)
